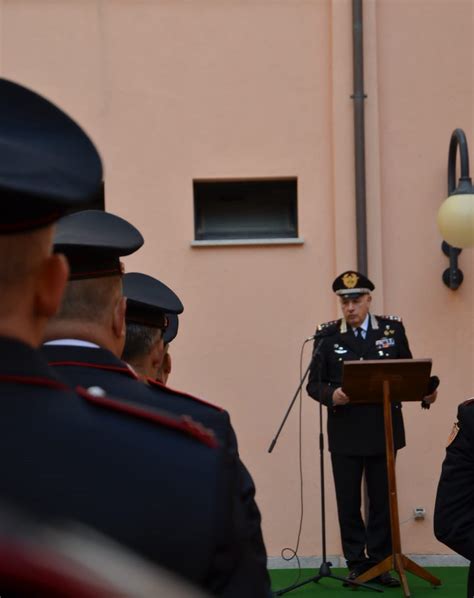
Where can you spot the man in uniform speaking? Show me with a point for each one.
(356, 432)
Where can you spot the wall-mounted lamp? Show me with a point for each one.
(456, 214)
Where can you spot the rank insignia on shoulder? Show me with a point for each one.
(393, 318)
(325, 325)
(454, 433)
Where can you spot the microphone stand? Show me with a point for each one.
(290, 407)
(325, 567)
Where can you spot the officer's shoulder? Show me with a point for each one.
(179, 393)
(183, 424)
(330, 327)
(390, 318)
(466, 410)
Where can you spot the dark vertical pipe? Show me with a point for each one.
(359, 154)
(359, 135)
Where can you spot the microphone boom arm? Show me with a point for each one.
(290, 407)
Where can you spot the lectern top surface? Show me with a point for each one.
(408, 379)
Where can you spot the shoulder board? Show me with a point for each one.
(392, 318)
(175, 392)
(184, 424)
(326, 325)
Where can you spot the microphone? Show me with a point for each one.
(319, 334)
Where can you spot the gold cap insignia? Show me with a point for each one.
(350, 280)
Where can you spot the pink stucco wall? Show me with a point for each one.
(173, 90)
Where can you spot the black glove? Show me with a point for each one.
(432, 386)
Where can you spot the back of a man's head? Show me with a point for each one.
(139, 341)
(151, 322)
(21, 256)
(90, 301)
(143, 348)
(92, 309)
(48, 167)
(31, 283)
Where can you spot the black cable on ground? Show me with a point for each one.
(287, 553)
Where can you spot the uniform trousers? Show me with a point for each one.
(356, 536)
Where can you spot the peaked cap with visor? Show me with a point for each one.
(48, 165)
(352, 284)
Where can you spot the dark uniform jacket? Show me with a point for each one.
(454, 508)
(357, 429)
(89, 366)
(149, 480)
(208, 414)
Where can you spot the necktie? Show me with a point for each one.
(360, 333)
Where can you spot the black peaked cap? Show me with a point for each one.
(93, 242)
(352, 284)
(147, 297)
(48, 165)
(171, 331)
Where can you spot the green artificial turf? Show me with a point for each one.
(453, 580)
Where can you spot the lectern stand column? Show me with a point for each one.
(397, 561)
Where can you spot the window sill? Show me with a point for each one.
(238, 242)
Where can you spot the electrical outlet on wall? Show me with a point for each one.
(419, 512)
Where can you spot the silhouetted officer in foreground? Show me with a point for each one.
(68, 560)
(125, 470)
(85, 341)
(454, 508)
(151, 305)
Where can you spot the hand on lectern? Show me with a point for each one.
(431, 398)
(432, 392)
(339, 397)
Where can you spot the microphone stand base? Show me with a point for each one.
(325, 572)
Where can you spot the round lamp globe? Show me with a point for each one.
(456, 220)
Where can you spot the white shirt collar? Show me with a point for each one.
(72, 342)
(364, 325)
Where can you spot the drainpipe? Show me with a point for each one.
(359, 135)
(359, 154)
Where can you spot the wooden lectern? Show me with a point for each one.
(386, 381)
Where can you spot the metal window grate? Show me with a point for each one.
(245, 209)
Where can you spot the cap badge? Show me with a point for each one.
(350, 280)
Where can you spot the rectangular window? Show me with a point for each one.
(245, 209)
